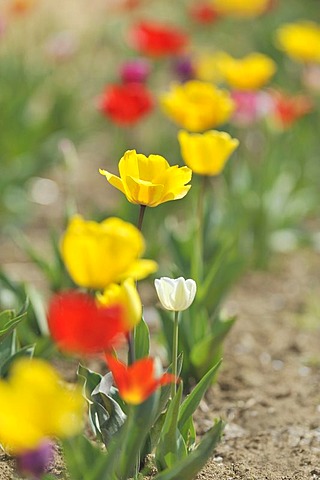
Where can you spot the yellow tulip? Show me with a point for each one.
(97, 254)
(197, 105)
(206, 153)
(35, 404)
(207, 66)
(300, 41)
(127, 296)
(241, 8)
(248, 73)
(149, 180)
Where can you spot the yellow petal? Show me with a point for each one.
(144, 193)
(140, 269)
(113, 180)
(207, 153)
(128, 164)
(96, 254)
(175, 180)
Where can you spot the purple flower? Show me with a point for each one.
(34, 463)
(184, 69)
(135, 71)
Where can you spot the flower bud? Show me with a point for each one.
(175, 294)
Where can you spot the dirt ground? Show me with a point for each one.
(268, 390)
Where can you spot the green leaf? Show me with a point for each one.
(5, 366)
(139, 422)
(202, 352)
(9, 321)
(171, 447)
(179, 250)
(109, 416)
(155, 431)
(189, 434)
(90, 380)
(166, 389)
(188, 468)
(39, 309)
(84, 460)
(142, 340)
(192, 401)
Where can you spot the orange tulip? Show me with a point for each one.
(137, 381)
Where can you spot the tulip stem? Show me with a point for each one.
(197, 263)
(141, 215)
(131, 335)
(131, 349)
(175, 352)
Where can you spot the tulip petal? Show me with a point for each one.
(128, 165)
(113, 180)
(144, 193)
(78, 324)
(139, 269)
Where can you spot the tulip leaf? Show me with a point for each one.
(85, 461)
(204, 352)
(108, 413)
(166, 389)
(188, 468)
(5, 365)
(221, 327)
(189, 434)
(9, 321)
(154, 434)
(39, 309)
(137, 426)
(171, 446)
(192, 401)
(180, 250)
(142, 340)
(90, 380)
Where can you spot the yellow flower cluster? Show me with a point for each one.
(241, 8)
(251, 72)
(35, 404)
(197, 106)
(300, 41)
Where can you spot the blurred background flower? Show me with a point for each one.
(156, 39)
(197, 106)
(126, 104)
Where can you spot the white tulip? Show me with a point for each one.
(175, 294)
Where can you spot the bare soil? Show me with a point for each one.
(268, 389)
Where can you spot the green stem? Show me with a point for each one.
(197, 259)
(175, 352)
(131, 349)
(131, 335)
(141, 215)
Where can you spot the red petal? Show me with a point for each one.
(78, 325)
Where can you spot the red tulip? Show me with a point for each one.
(289, 108)
(157, 40)
(203, 12)
(137, 381)
(126, 104)
(78, 325)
